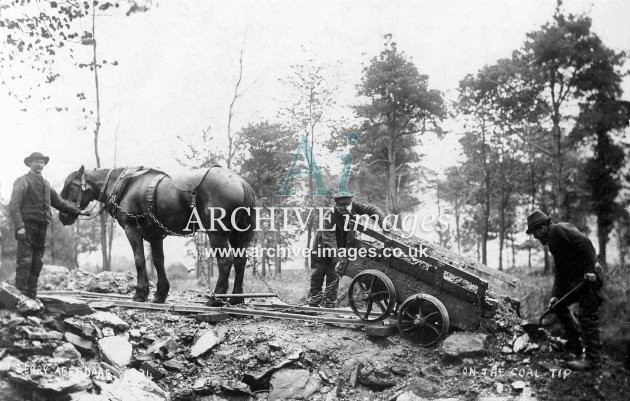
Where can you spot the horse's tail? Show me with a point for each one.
(246, 218)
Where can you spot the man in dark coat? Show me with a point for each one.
(334, 236)
(575, 260)
(30, 213)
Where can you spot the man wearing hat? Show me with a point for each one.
(335, 236)
(575, 260)
(29, 209)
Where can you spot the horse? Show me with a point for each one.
(149, 206)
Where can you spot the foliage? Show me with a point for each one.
(202, 154)
(399, 106)
(601, 119)
(270, 150)
(567, 63)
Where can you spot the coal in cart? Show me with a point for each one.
(427, 289)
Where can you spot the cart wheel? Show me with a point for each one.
(422, 319)
(369, 288)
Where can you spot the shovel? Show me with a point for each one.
(531, 328)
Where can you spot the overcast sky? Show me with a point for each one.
(178, 64)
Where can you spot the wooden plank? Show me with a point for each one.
(87, 294)
(429, 259)
(498, 280)
(240, 312)
(314, 309)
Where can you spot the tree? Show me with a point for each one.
(400, 106)
(567, 62)
(603, 170)
(270, 150)
(310, 112)
(44, 35)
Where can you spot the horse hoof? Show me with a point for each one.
(214, 302)
(139, 298)
(236, 301)
(158, 300)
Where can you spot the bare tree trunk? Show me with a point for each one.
(392, 195)
(478, 245)
(501, 232)
(278, 258)
(97, 128)
(513, 253)
(457, 233)
(622, 245)
(486, 217)
(602, 240)
(231, 147)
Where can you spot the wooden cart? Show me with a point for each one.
(426, 287)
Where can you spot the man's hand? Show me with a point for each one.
(84, 213)
(552, 301)
(20, 234)
(387, 227)
(590, 277)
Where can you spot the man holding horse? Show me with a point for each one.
(29, 208)
(334, 235)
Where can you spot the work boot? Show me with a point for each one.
(583, 363)
(574, 346)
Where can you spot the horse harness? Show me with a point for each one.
(183, 184)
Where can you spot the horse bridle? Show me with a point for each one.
(83, 187)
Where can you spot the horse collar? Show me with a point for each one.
(102, 194)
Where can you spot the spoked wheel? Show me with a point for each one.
(422, 319)
(372, 295)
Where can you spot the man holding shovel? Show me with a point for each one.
(575, 260)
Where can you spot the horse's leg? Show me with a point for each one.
(239, 271)
(157, 252)
(224, 263)
(135, 240)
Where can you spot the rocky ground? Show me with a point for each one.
(71, 350)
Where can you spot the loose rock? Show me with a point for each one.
(174, 365)
(521, 343)
(464, 344)
(133, 386)
(115, 350)
(65, 305)
(204, 344)
(66, 350)
(350, 371)
(108, 319)
(12, 299)
(82, 344)
(293, 384)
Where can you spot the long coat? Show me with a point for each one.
(334, 236)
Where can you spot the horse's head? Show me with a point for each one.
(77, 191)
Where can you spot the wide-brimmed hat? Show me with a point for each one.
(342, 197)
(36, 156)
(535, 220)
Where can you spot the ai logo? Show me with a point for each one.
(322, 190)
